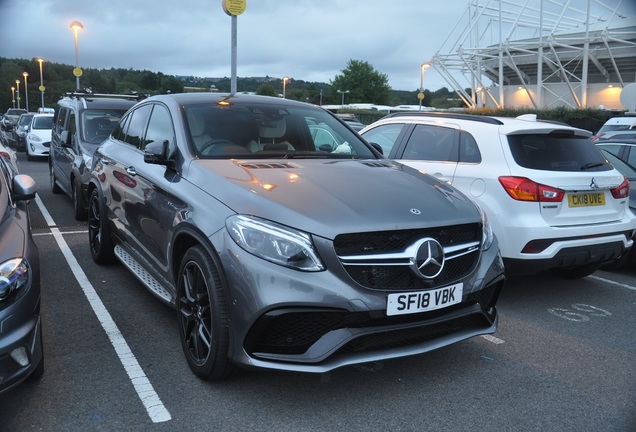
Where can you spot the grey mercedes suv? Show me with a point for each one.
(280, 250)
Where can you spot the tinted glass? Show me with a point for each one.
(160, 126)
(623, 167)
(384, 135)
(557, 152)
(97, 124)
(468, 149)
(432, 143)
(136, 126)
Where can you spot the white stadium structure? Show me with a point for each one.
(541, 53)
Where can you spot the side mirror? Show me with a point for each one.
(65, 139)
(157, 153)
(378, 148)
(24, 187)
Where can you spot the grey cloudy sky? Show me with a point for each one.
(310, 40)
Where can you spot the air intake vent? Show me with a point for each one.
(378, 164)
(266, 165)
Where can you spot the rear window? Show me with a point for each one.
(557, 152)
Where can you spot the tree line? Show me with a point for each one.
(363, 82)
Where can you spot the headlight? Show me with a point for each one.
(273, 242)
(14, 274)
(487, 234)
(35, 138)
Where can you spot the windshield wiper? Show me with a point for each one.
(591, 165)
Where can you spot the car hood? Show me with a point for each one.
(328, 197)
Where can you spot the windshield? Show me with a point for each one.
(96, 125)
(264, 131)
(25, 120)
(43, 122)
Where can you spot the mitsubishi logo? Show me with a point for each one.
(593, 184)
(428, 261)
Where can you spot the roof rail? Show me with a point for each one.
(88, 94)
(457, 116)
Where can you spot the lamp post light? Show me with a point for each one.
(41, 60)
(420, 96)
(17, 84)
(285, 79)
(76, 26)
(26, 90)
(343, 92)
(13, 95)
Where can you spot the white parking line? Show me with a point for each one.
(611, 282)
(493, 339)
(151, 401)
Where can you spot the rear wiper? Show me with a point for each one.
(591, 165)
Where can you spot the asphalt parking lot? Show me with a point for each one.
(562, 360)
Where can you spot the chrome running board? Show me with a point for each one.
(142, 274)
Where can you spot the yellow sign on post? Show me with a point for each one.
(234, 7)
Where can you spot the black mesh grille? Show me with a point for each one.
(393, 277)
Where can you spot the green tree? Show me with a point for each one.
(266, 89)
(365, 84)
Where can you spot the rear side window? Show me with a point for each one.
(557, 152)
(432, 143)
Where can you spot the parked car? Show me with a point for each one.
(624, 149)
(21, 353)
(10, 118)
(21, 130)
(554, 201)
(8, 153)
(352, 121)
(625, 123)
(83, 121)
(38, 139)
(617, 134)
(279, 254)
(629, 258)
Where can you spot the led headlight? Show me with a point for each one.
(14, 274)
(273, 242)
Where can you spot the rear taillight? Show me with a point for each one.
(524, 189)
(5, 155)
(622, 191)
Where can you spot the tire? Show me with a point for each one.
(575, 272)
(54, 187)
(79, 211)
(28, 154)
(202, 310)
(620, 264)
(99, 238)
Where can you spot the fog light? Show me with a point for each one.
(21, 356)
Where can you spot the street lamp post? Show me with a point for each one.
(13, 95)
(76, 26)
(41, 60)
(420, 96)
(285, 79)
(26, 90)
(343, 92)
(17, 84)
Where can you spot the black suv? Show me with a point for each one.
(10, 118)
(82, 122)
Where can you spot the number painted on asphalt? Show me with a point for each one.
(583, 314)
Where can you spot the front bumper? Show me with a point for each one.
(315, 322)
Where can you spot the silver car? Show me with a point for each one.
(280, 252)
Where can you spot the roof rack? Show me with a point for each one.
(88, 94)
(457, 116)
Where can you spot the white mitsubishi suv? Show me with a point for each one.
(553, 200)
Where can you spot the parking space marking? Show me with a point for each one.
(611, 282)
(61, 232)
(493, 339)
(146, 392)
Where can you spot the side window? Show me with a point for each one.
(136, 127)
(160, 126)
(385, 136)
(72, 128)
(60, 121)
(432, 143)
(468, 149)
(119, 132)
(631, 156)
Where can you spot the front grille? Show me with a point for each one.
(395, 273)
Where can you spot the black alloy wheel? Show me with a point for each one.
(99, 239)
(202, 309)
